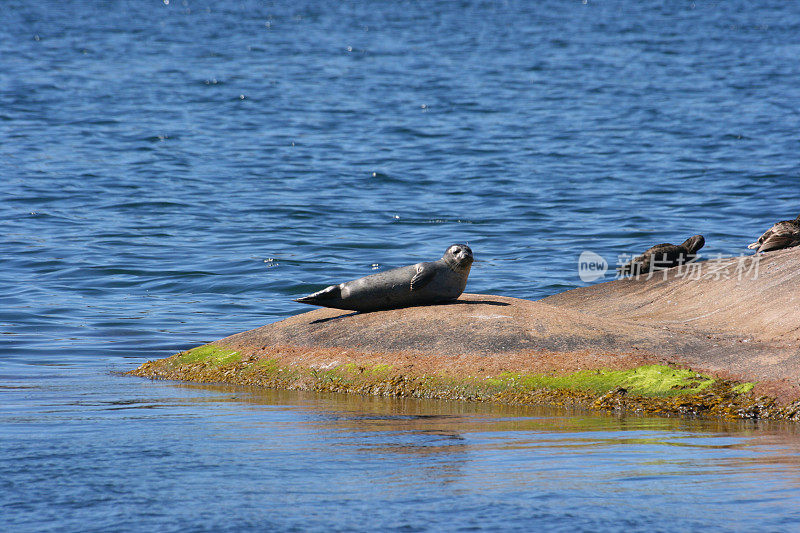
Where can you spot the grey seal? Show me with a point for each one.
(420, 284)
(663, 256)
(783, 234)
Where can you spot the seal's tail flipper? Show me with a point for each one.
(753, 246)
(318, 298)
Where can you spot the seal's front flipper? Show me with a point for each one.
(424, 275)
(319, 298)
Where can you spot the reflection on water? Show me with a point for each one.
(169, 454)
(533, 459)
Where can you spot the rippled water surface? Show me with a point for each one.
(174, 172)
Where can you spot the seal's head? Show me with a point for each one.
(694, 243)
(458, 256)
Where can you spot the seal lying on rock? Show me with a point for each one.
(663, 256)
(423, 283)
(783, 234)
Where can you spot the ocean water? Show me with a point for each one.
(172, 172)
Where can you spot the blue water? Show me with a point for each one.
(174, 172)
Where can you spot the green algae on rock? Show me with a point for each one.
(210, 353)
(656, 389)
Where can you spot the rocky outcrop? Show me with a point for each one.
(732, 320)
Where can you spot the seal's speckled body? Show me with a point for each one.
(420, 284)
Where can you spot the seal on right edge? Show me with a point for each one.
(784, 234)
